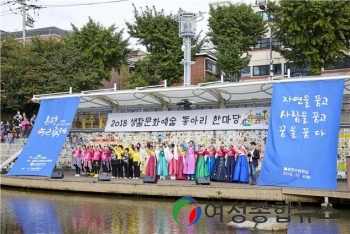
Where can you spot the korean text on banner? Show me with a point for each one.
(47, 137)
(302, 140)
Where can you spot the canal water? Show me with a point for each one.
(24, 211)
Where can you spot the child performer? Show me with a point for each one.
(172, 156)
(97, 160)
(105, 157)
(126, 163)
(88, 157)
(83, 153)
(77, 160)
(136, 162)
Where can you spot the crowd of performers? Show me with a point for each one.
(180, 162)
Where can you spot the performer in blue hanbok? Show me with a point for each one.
(241, 172)
(162, 164)
(210, 153)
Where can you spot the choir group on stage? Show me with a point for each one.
(180, 162)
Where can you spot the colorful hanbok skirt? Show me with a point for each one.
(220, 172)
(151, 166)
(241, 173)
(180, 168)
(201, 169)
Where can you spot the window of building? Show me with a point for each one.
(340, 64)
(210, 66)
(264, 43)
(245, 72)
(295, 71)
(265, 70)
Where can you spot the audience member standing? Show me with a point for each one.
(17, 121)
(254, 156)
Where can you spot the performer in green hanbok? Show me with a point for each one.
(201, 167)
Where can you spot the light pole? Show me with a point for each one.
(263, 7)
(187, 30)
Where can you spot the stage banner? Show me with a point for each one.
(302, 139)
(47, 137)
(209, 119)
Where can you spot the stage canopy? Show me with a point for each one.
(220, 94)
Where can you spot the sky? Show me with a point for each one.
(106, 14)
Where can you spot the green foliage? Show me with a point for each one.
(315, 32)
(234, 30)
(159, 33)
(102, 46)
(42, 66)
(143, 75)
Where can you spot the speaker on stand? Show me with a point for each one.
(150, 179)
(57, 175)
(203, 181)
(104, 177)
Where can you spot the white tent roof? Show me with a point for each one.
(215, 93)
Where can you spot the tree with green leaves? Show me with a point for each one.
(234, 30)
(313, 33)
(159, 33)
(42, 66)
(104, 47)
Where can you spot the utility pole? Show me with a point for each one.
(24, 16)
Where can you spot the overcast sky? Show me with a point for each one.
(106, 14)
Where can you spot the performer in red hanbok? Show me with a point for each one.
(171, 155)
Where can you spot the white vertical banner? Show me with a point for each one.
(209, 119)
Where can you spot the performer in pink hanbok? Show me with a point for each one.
(190, 161)
(152, 161)
(171, 155)
(181, 161)
(229, 162)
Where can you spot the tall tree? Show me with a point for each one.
(315, 33)
(102, 46)
(234, 30)
(159, 33)
(42, 66)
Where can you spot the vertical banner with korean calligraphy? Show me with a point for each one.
(302, 140)
(47, 137)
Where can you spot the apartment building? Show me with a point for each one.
(261, 55)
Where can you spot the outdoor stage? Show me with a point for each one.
(177, 188)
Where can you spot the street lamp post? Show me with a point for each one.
(187, 30)
(263, 7)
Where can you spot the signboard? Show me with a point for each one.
(302, 140)
(210, 119)
(47, 137)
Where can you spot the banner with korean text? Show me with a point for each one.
(302, 140)
(209, 119)
(47, 137)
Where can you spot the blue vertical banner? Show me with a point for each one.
(302, 139)
(40, 153)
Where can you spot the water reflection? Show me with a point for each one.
(34, 212)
